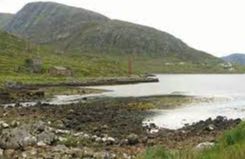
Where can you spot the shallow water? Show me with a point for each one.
(228, 89)
(197, 85)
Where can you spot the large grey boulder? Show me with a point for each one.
(46, 137)
(16, 138)
(26, 135)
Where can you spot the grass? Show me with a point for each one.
(161, 102)
(14, 52)
(83, 66)
(230, 146)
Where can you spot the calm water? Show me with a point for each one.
(198, 85)
(229, 89)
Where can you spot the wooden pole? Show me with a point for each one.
(130, 65)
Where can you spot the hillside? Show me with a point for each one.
(80, 33)
(5, 18)
(14, 52)
(125, 38)
(235, 58)
(78, 30)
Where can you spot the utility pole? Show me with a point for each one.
(130, 65)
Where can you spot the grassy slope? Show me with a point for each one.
(122, 38)
(5, 18)
(230, 146)
(13, 55)
(158, 65)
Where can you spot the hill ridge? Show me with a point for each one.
(236, 58)
(73, 29)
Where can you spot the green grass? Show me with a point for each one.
(156, 153)
(230, 146)
(173, 65)
(86, 65)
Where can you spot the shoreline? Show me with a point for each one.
(28, 92)
(92, 82)
(110, 125)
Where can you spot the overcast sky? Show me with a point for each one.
(215, 26)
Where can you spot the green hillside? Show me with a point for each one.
(5, 18)
(14, 52)
(120, 37)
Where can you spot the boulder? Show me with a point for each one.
(46, 137)
(109, 140)
(87, 152)
(9, 153)
(204, 146)
(210, 127)
(31, 151)
(1, 152)
(60, 148)
(41, 144)
(126, 156)
(133, 139)
(38, 127)
(101, 155)
(4, 125)
(16, 138)
(14, 123)
(26, 135)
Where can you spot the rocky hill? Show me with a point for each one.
(79, 30)
(44, 22)
(236, 58)
(122, 37)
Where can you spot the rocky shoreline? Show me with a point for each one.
(102, 128)
(93, 82)
(18, 92)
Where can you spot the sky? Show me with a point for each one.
(214, 26)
